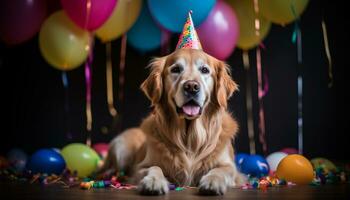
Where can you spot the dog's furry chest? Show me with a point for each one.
(186, 170)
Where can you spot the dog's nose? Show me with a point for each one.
(191, 87)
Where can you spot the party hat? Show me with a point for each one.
(189, 38)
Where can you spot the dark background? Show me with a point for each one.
(33, 96)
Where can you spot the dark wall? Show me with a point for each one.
(33, 97)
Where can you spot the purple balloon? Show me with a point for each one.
(20, 20)
(219, 32)
(99, 12)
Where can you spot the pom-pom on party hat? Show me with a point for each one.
(189, 38)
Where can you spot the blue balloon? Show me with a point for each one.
(172, 14)
(239, 157)
(145, 35)
(255, 165)
(17, 159)
(46, 161)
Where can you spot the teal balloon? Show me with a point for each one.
(146, 35)
(172, 14)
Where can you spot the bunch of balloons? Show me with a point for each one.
(76, 157)
(65, 37)
(288, 166)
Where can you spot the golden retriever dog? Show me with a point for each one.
(187, 139)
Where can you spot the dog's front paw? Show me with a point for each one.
(212, 185)
(152, 185)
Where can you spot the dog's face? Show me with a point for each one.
(188, 81)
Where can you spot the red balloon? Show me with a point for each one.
(289, 151)
(101, 149)
(100, 10)
(219, 32)
(20, 20)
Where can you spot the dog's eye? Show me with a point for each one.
(204, 70)
(176, 69)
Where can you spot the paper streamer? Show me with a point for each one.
(66, 103)
(249, 104)
(88, 78)
(109, 80)
(165, 43)
(328, 53)
(296, 38)
(261, 94)
(261, 91)
(122, 68)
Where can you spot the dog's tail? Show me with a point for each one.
(123, 151)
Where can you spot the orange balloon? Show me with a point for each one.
(295, 168)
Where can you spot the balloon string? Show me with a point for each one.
(249, 104)
(66, 103)
(328, 53)
(109, 80)
(122, 68)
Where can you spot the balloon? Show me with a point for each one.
(17, 159)
(123, 17)
(289, 150)
(57, 150)
(100, 10)
(101, 149)
(63, 45)
(324, 164)
(274, 159)
(80, 158)
(20, 20)
(145, 35)
(239, 159)
(172, 14)
(219, 32)
(46, 161)
(255, 165)
(281, 12)
(295, 168)
(246, 16)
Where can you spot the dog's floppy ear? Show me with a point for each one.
(153, 85)
(225, 86)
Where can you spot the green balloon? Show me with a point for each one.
(323, 163)
(80, 158)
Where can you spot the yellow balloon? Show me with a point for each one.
(80, 158)
(123, 17)
(281, 11)
(295, 168)
(246, 16)
(64, 45)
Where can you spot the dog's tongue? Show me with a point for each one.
(191, 110)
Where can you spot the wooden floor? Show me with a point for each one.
(35, 191)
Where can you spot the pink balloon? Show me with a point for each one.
(101, 149)
(20, 20)
(99, 12)
(290, 151)
(219, 32)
